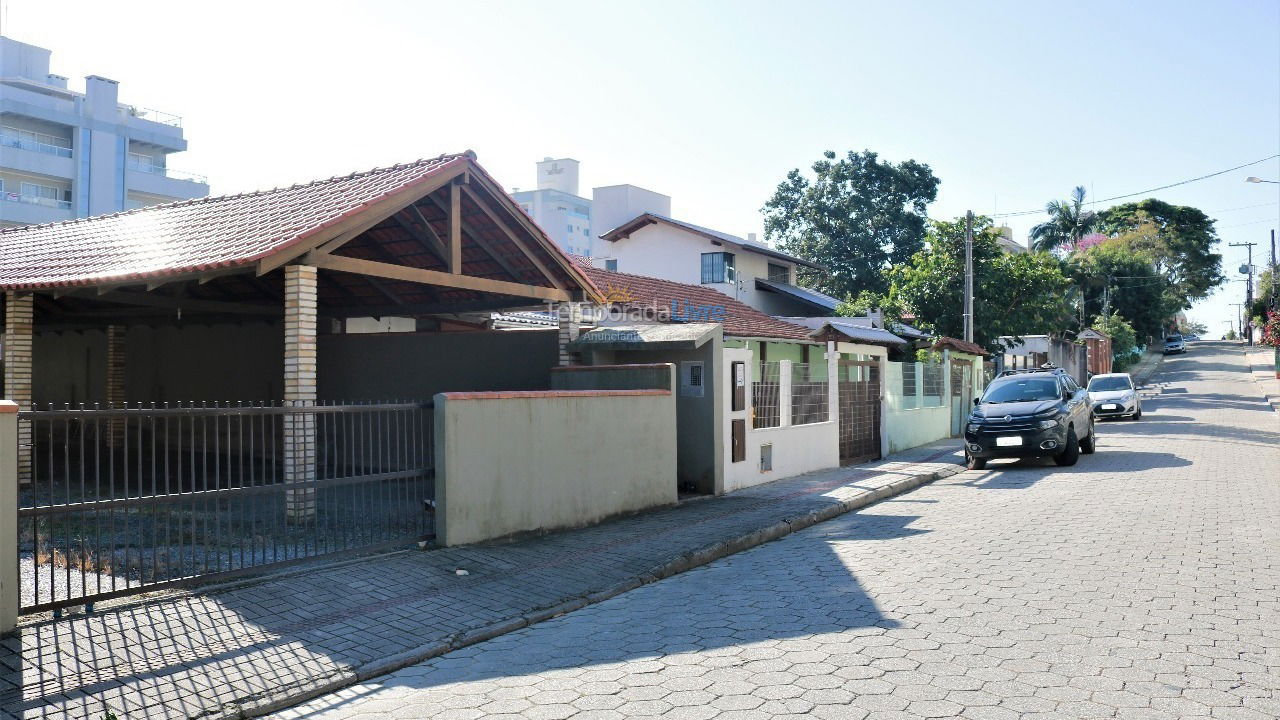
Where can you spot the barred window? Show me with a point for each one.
(779, 273)
(765, 390)
(934, 384)
(717, 267)
(808, 393)
(908, 380)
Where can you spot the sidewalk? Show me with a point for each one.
(257, 647)
(1147, 365)
(1262, 365)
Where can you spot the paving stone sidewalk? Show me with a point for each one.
(1262, 367)
(250, 649)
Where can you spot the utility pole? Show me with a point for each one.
(968, 276)
(1275, 281)
(1239, 315)
(1247, 328)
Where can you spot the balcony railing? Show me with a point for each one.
(35, 200)
(158, 116)
(35, 142)
(135, 163)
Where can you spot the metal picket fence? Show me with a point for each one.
(130, 499)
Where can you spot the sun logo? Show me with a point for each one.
(615, 294)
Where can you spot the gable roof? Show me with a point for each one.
(843, 327)
(739, 319)
(626, 229)
(265, 229)
(964, 346)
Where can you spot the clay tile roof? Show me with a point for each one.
(950, 343)
(739, 319)
(195, 235)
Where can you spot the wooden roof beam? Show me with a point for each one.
(433, 277)
(512, 236)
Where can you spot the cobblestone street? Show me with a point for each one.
(1141, 583)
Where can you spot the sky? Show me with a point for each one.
(712, 102)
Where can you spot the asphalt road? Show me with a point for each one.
(1142, 583)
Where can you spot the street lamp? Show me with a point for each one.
(1260, 180)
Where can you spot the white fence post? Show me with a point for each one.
(784, 393)
(9, 580)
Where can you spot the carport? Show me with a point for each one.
(175, 354)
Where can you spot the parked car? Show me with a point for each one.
(1114, 395)
(1174, 344)
(1191, 338)
(1030, 413)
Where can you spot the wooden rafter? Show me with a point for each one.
(433, 277)
(426, 238)
(484, 244)
(348, 229)
(512, 236)
(455, 228)
(154, 300)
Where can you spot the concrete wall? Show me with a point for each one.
(703, 432)
(418, 365)
(653, 376)
(245, 362)
(509, 463)
(163, 364)
(907, 427)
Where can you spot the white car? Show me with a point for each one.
(1113, 395)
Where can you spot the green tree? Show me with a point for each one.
(1262, 297)
(858, 215)
(1068, 222)
(1178, 239)
(1124, 341)
(1116, 276)
(868, 300)
(1014, 294)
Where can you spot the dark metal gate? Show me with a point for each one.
(859, 383)
(131, 499)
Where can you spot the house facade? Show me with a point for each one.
(743, 269)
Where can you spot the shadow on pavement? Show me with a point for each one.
(713, 610)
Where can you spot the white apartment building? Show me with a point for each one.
(628, 229)
(556, 206)
(66, 154)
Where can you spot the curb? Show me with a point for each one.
(1254, 370)
(289, 697)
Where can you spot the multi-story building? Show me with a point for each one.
(67, 154)
(557, 207)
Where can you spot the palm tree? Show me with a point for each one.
(1067, 223)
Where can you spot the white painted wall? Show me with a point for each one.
(673, 253)
(797, 449)
(615, 205)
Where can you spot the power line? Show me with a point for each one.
(1144, 192)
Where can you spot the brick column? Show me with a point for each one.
(18, 323)
(570, 318)
(300, 390)
(115, 382)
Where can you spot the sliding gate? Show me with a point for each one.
(859, 385)
(128, 500)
